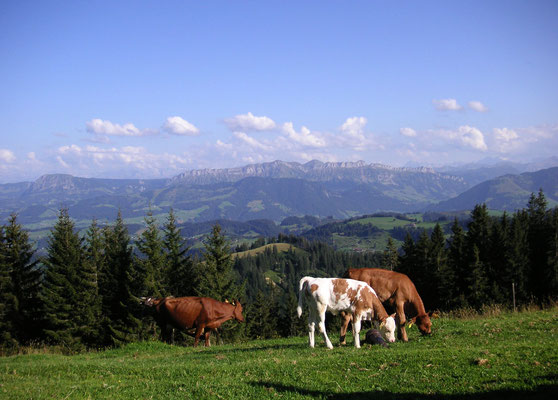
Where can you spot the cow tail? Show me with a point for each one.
(302, 287)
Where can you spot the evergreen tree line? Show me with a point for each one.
(494, 260)
(86, 291)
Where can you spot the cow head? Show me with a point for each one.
(238, 311)
(151, 301)
(147, 301)
(423, 323)
(387, 328)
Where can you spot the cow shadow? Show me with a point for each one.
(546, 391)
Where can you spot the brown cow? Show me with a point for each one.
(395, 291)
(203, 314)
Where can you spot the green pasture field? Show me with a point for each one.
(507, 355)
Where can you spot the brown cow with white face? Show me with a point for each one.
(396, 291)
(200, 313)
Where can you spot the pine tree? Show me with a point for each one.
(477, 242)
(518, 256)
(539, 245)
(179, 271)
(216, 276)
(94, 263)
(408, 257)
(551, 275)
(62, 286)
(499, 264)
(390, 259)
(7, 299)
(262, 321)
(153, 264)
(478, 284)
(438, 267)
(454, 280)
(289, 323)
(21, 280)
(119, 285)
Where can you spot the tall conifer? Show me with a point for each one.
(63, 286)
(179, 271)
(455, 281)
(390, 257)
(120, 287)
(151, 266)
(22, 279)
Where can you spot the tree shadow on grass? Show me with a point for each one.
(545, 391)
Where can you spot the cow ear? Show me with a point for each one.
(393, 315)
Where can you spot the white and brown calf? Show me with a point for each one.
(336, 295)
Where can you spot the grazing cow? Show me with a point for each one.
(337, 295)
(203, 314)
(396, 291)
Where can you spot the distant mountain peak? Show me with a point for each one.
(315, 170)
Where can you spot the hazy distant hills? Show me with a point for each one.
(508, 192)
(270, 191)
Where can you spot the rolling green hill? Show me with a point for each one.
(508, 192)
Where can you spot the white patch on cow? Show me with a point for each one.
(387, 329)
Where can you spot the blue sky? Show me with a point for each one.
(150, 89)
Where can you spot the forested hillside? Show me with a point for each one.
(85, 291)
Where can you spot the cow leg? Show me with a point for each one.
(199, 331)
(166, 333)
(207, 333)
(356, 329)
(401, 333)
(311, 329)
(344, 325)
(322, 327)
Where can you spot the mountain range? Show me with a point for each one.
(273, 191)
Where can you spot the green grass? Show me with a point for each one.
(507, 355)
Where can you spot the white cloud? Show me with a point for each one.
(409, 132)
(250, 141)
(69, 149)
(477, 106)
(472, 137)
(467, 136)
(506, 140)
(249, 122)
(101, 127)
(179, 126)
(353, 135)
(304, 137)
(505, 134)
(7, 156)
(62, 162)
(129, 161)
(354, 127)
(446, 104)
(31, 156)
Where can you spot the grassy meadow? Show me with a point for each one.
(502, 355)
